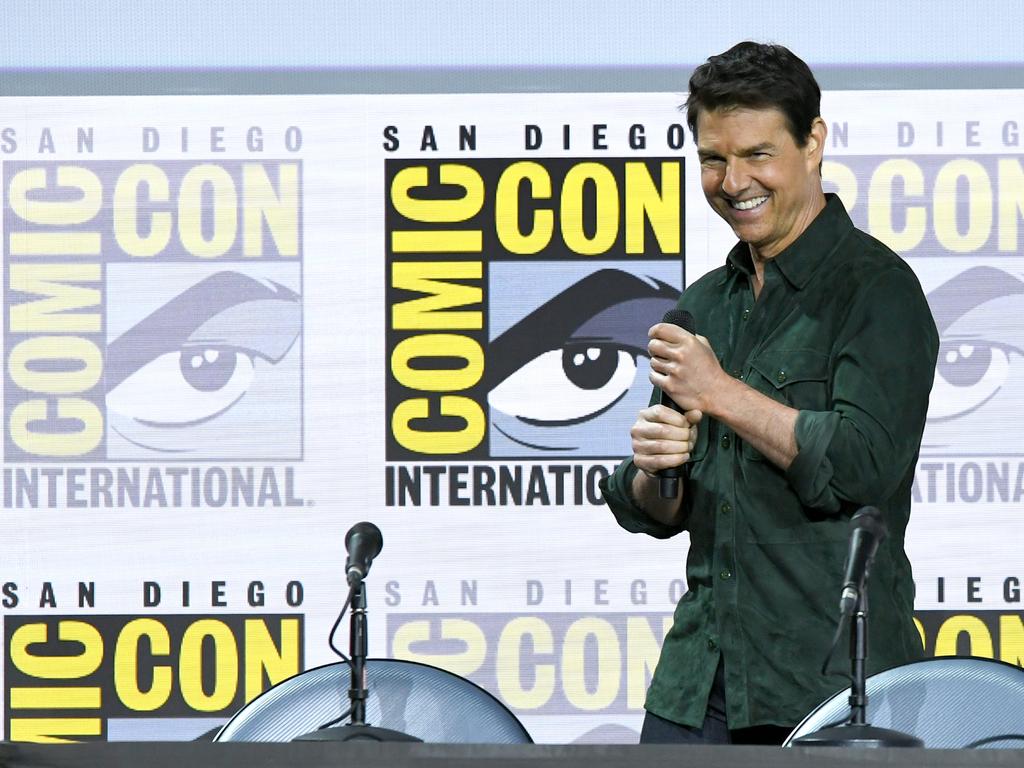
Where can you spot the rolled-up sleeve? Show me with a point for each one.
(811, 470)
(629, 516)
(884, 365)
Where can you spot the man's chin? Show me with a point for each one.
(746, 233)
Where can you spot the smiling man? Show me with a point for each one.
(804, 401)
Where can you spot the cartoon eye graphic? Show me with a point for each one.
(976, 314)
(196, 357)
(568, 376)
(565, 386)
(196, 384)
(968, 373)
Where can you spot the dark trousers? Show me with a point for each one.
(715, 730)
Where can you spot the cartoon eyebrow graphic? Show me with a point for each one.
(602, 307)
(969, 290)
(224, 309)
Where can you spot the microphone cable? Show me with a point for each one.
(340, 653)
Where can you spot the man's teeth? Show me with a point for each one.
(746, 205)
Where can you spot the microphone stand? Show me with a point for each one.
(357, 728)
(857, 732)
(357, 692)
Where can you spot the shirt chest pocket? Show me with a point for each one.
(798, 378)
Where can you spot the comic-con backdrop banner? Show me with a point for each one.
(234, 327)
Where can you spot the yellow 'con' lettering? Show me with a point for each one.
(509, 663)
(880, 204)
(979, 206)
(644, 649)
(506, 202)
(1011, 202)
(979, 638)
(126, 665)
(607, 215)
(661, 208)
(127, 194)
(225, 655)
(279, 209)
(222, 204)
(609, 670)
(265, 658)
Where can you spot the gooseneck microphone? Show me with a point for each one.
(867, 531)
(363, 542)
(669, 478)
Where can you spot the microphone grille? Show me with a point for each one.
(368, 531)
(682, 318)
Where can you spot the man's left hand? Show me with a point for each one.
(683, 366)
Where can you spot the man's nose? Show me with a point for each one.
(736, 178)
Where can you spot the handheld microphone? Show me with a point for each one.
(867, 531)
(363, 542)
(669, 482)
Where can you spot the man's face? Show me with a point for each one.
(755, 176)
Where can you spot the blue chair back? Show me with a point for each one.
(947, 702)
(417, 699)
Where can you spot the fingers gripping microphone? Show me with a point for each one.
(363, 542)
(669, 484)
(867, 531)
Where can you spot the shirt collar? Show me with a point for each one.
(803, 256)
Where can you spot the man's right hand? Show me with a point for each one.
(663, 438)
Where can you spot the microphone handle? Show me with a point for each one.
(668, 485)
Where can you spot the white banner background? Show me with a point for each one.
(488, 565)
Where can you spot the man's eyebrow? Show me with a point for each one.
(748, 151)
(705, 154)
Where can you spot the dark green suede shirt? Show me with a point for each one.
(841, 332)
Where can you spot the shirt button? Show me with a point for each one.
(780, 377)
(746, 314)
(712, 644)
(726, 508)
(725, 441)
(726, 574)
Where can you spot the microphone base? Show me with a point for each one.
(862, 736)
(668, 487)
(355, 733)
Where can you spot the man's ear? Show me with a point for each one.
(815, 146)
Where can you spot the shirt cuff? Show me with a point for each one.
(617, 491)
(811, 471)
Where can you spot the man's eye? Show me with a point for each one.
(186, 387)
(567, 385)
(968, 373)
